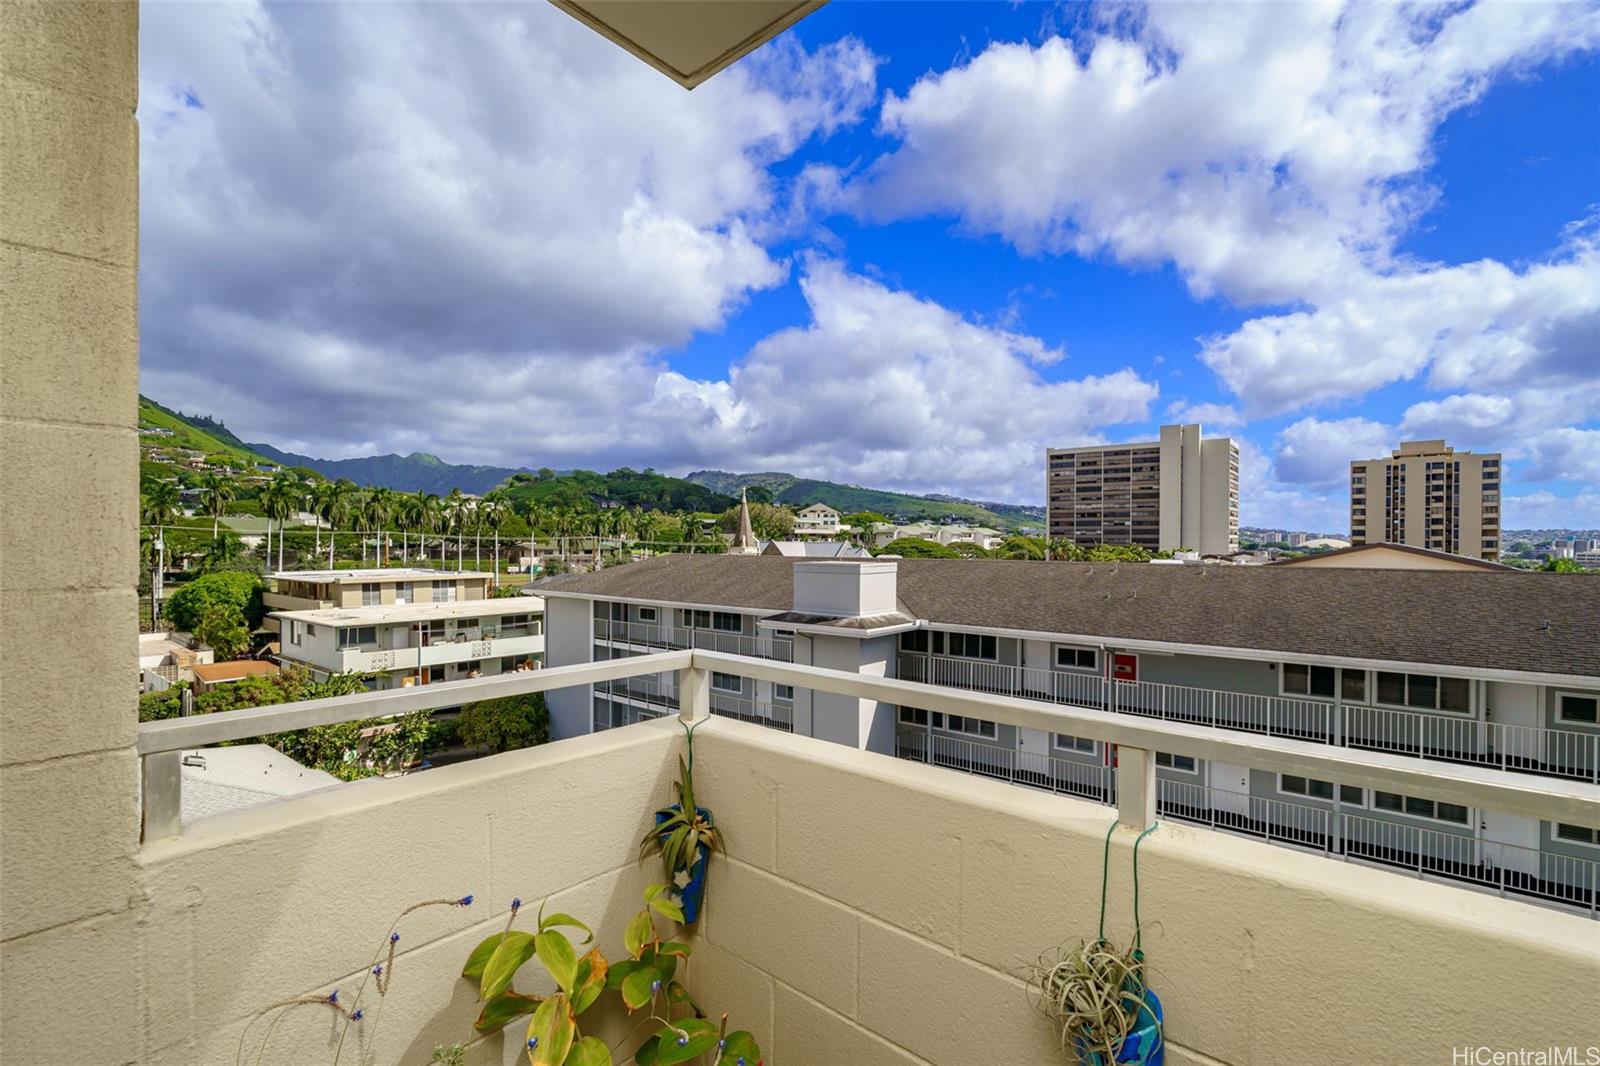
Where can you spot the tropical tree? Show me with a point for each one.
(380, 507)
(279, 500)
(456, 508)
(224, 550)
(159, 505)
(493, 513)
(333, 502)
(216, 492)
(1018, 546)
(428, 513)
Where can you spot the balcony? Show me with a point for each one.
(1448, 738)
(642, 636)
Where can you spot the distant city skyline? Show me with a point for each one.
(908, 260)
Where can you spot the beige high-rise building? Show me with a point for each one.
(1428, 495)
(1181, 491)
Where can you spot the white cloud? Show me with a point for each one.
(1479, 325)
(1210, 415)
(1269, 151)
(1266, 500)
(426, 179)
(1318, 454)
(1547, 510)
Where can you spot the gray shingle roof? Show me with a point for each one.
(1449, 618)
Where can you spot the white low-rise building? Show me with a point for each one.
(818, 520)
(416, 643)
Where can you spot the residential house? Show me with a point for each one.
(818, 520)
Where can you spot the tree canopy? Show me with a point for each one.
(233, 589)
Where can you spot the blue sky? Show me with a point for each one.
(909, 246)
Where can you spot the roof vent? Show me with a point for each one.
(194, 758)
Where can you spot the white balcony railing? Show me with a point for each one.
(1131, 783)
(1508, 869)
(1531, 749)
(653, 635)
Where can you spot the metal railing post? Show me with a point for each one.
(161, 777)
(1136, 787)
(694, 693)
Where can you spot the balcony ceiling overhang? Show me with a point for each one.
(689, 40)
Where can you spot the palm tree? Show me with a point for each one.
(333, 505)
(493, 513)
(224, 548)
(456, 506)
(157, 508)
(217, 492)
(426, 512)
(380, 507)
(279, 500)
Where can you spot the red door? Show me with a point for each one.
(1124, 667)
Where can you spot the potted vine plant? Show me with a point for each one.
(647, 981)
(684, 835)
(1097, 995)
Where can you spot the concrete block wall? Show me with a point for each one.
(885, 907)
(70, 900)
(295, 898)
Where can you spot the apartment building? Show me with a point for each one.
(1428, 495)
(403, 626)
(818, 520)
(1180, 491)
(1413, 662)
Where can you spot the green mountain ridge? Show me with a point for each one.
(702, 491)
(799, 492)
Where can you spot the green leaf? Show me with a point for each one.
(503, 1008)
(674, 947)
(667, 909)
(636, 991)
(480, 955)
(620, 970)
(740, 1044)
(646, 1055)
(654, 891)
(508, 957)
(590, 1051)
(568, 920)
(640, 932)
(550, 1032)
(674, 1048)
(677, 995)
(558, 956)
(589, 981)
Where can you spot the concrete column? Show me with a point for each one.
(69, 367)
(1136, 787)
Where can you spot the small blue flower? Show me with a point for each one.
(741, 1060)
(464, 901)
(394, 938)
(333, 997)
(358, 1015)
(721, 1044)
(533, 1042)
(516, 904)
(655, 986)
(683, 1041)
(377, 971)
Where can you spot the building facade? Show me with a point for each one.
(1428, 495)
(403, 626)
(1408, 662)
(1180, 491)
(818, 520)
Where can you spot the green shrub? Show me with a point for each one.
(506, 723)
(155, 706)
(223, 628)
(232, 588)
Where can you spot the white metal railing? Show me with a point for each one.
(659, 635)
(1132, 782)
(1508, 869)
(1069, 776)
(1531, 749)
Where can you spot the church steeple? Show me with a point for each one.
(745, 541)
